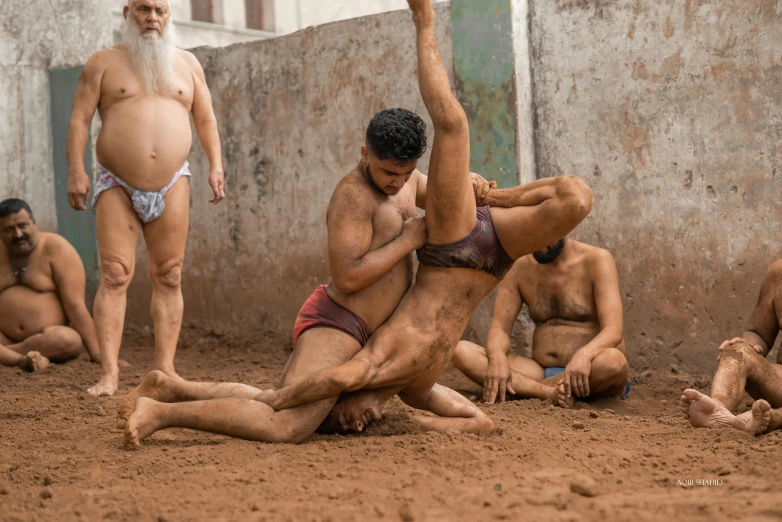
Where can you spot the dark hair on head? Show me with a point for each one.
(397, 134)
(12, 206)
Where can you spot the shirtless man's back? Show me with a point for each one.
(43, 315)
(572, 292)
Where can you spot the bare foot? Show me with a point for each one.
(152, 386)
(704, 412)
(755, 420)
(33, 362)
(141, 424)
(107, 385)
(561, 398)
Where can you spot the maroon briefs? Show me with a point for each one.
(480, 250)
(319, 311)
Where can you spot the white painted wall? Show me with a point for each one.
(292, 15)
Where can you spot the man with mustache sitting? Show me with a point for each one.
(41, 292)
(145, 90)
(572, 291)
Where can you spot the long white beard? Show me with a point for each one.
(152, 56)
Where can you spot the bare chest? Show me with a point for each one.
(35, 274)
(568, 298)
(388, 219)
(121, 83)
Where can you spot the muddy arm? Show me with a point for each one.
(323, 384)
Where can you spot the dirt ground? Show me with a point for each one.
(61, 457)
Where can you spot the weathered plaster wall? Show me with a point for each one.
(61, 33)
(292, 113)
(672, 112)
(292, 15)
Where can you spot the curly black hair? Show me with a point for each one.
(397, 134)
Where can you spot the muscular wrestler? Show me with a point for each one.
(43, 316)
(572, 291)
(144, 90)
(372, 233)
(469, 250)
(743, 367)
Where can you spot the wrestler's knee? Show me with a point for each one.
(115, 274)
(168, 274)
(740, 352)
(464, 349)
(611, 364)
(63, 343)
(576, 196)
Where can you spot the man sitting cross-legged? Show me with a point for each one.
(572, 291)
(469, 250)
(43, 316)
(743, 367)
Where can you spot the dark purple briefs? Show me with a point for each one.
(480, 250)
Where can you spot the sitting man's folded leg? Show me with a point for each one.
(56, 343)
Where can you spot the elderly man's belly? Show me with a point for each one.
(556, 340)
(144, 141)
(25, 312)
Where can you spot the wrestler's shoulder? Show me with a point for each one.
(189, 58)
(352, 193)
(597, 257)
(109, 53)
(354, 185)
(775, 270)
(54, 244)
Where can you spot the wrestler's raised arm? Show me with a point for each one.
(349, 219)
(480, 186)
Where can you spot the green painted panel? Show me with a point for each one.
(485, 83)
(77, 227)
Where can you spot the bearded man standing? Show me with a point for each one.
(144, 89)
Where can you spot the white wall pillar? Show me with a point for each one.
(525, 133)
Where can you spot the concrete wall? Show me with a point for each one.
(191, 33)
(292, 113)
(63, 33)
(672, 112)
(292, 15)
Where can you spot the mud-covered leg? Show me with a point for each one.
(452, 409)
(450, 200)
